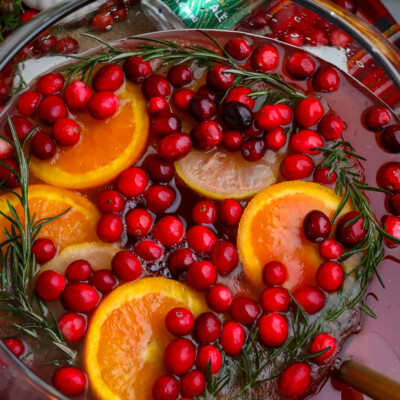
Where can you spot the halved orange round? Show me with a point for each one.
(271, 229)
(105, 149)
(76, 226)
(127, 336)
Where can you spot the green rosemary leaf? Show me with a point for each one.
(313, 355)
(363, 307)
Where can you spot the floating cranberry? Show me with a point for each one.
(169, 231)
(132, 182)
(110, 227)
(207, 328)
(316, 226)
(69, 381)
(305, 141)
(157, 105)
(182, 97)
(206, 135)
(49, 84)
(392, 227)
(44, 44)
(77, 94)
(148, 250)
(293, 37)
(394, 204)
(330, 276)
(109, 78)
(275, 299)
(72, 327)
(244, 310)
(273, 329)
(286, 113)
(159, 198)
(158, 169)
(253, 149)
(66, 132)
(224, 257)
(21, 125)
(44, 250)
(219, 80)
(311, 299)
(15, 346)
(206, 91)
(390, 139)
(165, 123)
(80, 297)
(156, 86)
(300, 65)
(193, 384)
(324, 176)
(265, 58)
(137, 70)
(201, 275)
(295, 380)
(275, 139)
(67, 45)
(232, 140)
(390, 177)
(326, 80)
(166, 388)
(238, 49)
(175, 146)
(28, 102)
(236, 115)
(126, 266)
(209, 357)
(49, 285)
(274, 273)
(179, 321)
(340, 38)
(102, 22)
(204, 212)
(330, 249)
(202, 108)
(297, 166)
(179, 356)
(219, 298)
(42, 146)
(240, 93)
(353, 233)
(200, 238)
(331, 127)
(232, 338)
(138, 222)
(7, 176)
(256, 20)
(111, 201)
(322, 342)
(102, 105)
(315, 37)
(180, 260)
(309, 112)
(269, 117)
(78, 270)
(230, 212)
(180, 75)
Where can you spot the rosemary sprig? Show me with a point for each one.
(10, 12)
(172, 53)
(18, 264)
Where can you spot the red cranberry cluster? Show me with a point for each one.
(110, 13)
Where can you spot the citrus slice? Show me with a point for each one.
(221, 174)
(99, 256)
(76, 226)
(106, 147)
(271, 229)
(127, 336)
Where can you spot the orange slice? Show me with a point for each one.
(76, 226)
(127, 336)
(271, 229)
(221, 174)
(105, 149)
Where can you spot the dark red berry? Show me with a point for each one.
(165, 123)
(180, 75)
(182, 97)
(392, 227)
(219, 80)
(175, 146)
(316, 37)
(230, 212)
(297, 166)
(351, 233)
(80, 297)
(376, 118)
(204, 212)
(110, 227)
(295, 380)
(179, 321)
(159, 198)
(206, 135)
(224, 257)
(102, 22)
(390, 139)
(265, 58)
(193, 384)
(253, 149)
(330, 276)
(232, 338)
(21, 125)
(78, 271)
(240, 93)
(6, 150)
(156, 86)
(137, 70)
(7, 176)
(126, 266)
(321, 342)
(209, 357)
(311, 299)
(67, 45)
(28, 15)
(207, 328)
(244, 310)
(157, 105)
(50, 285)
(305, 141)
(330, 249)
(324, 176)
(340, 38)
(148, 250)
(269, 117)
(77, 94)
(275, 139)
(109, 77)
(49, 84)
(206, 91)
(326, 80)
(275, 299)
(331, 127)
(201, 275)
(132, 182)
(72, 327)
(70, 381)
(256, 20)
(232, 140)
(238, 49)
(202, 108)
(138, 222)
(274, 273)
(158, 169)
(200, 238)
(390, 177)
(219, 298)
(15, 346)
(316, 226)
(237, 115)
(166, 388)
(180, 260)
(273, 329)
(309, 112)
(44, 250)
(394, 204)
(286, 113)
(102, 105)
(110, 201)
(42, 146)
(169, 231)
(300, 65)
(28, 102)
(66, 132)
(293, 37)
(179, 356)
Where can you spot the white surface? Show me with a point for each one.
(394, 7)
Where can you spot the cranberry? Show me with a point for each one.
(330, 276)
(80, 297)
(159, 198)
(102, 22)
(138, 222)
(72, 327)
(207, 328)
(206, 91)
(132, 182)
(293, 37)
(265, 58)
(269, 117)
(306, 140)
(326, 80)
(209, 357)
(42, 146)
(297, 166)
(392, 227)
(110, 227)
(137, 70)
(204, 212)
(275, 139)
(165, 123)
(49, 84)
(273, 329)
(66, 132)
(244, 310)
(286, 113)
(6, 149)
(44, 250)
(311, 299)
(180, 75)
(315, 37)
(390, 177)
(181, 260)
(15, 346)
(193, 384)
(102, 105)
(240, 94)
(158, 169)
(179, 356)
(69, 381)
(275, 299)
(175, 146)
(253, 130)
(111, 201)
(390, 139)
(238, 49)
(330, 249)
(353, 233)
(331, 127)
(321, 342)
(206, 135)
(232, 338)
(51, 109)
(179, 321)
(232, 140)
(230, 212)
(158, 105)
(295, 380)
(309, 112)
(274, 273)
(7, 176)
(317, 226)
(300, 65)
(28, 102)
(169, 231)
(376, 118)
(50, 285)
(103, 280)
(78, 270)
(202, 108)
(44, 44)
(224, 257)
(166, 388)
(200, 238)
(219, 298)
(394, 204)
(201, 275)
(28, 15)
(148, 250)
(21, 125)
(156, 86)
(256, 20)
(182, 97)
(253, 149)
(67, 45)
(77, 94)
(324, 176)
(236, 115)
(109, 78)
(219, 80)
(340, 38)
(126, 266)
